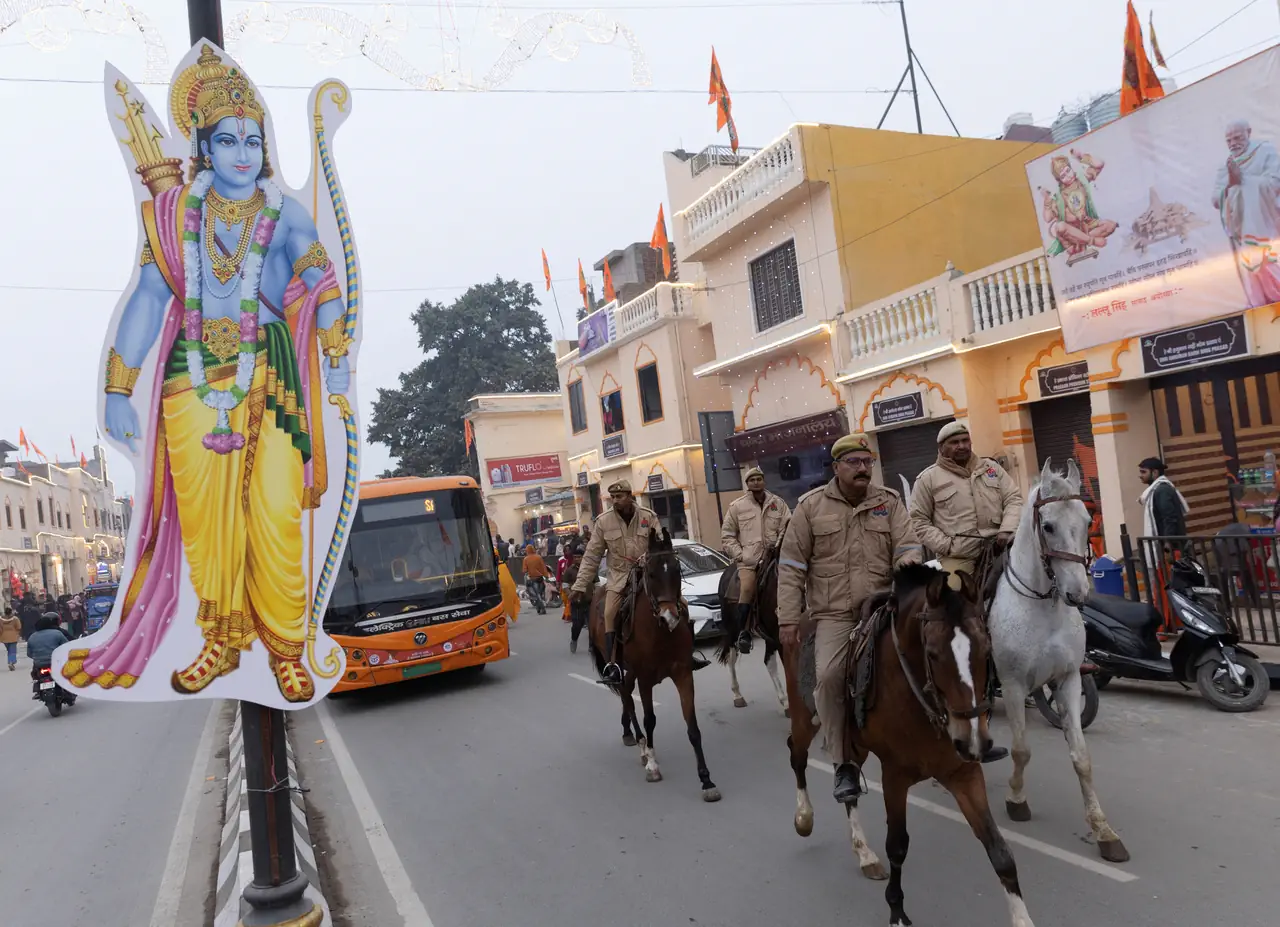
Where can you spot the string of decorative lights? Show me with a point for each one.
(45, 26)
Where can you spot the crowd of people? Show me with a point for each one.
(44, 622)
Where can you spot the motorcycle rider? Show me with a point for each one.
(44, 640)
(754, 524)
(536, 575)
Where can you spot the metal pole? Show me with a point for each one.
(894, 96)
(938, 97)
(911, 67)
(275, 896)
(205, 18)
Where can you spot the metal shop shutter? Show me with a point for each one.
(904, 452)
(1062, 431)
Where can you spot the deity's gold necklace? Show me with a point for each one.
(226, 266)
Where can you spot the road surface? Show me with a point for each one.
(507, 800)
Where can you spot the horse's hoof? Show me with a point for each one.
(628, 740)
(711, 794)
(653, 775)
(900, 921)
(804, 823)
(875, 871)
(739, 702)
(1113, 851)
(1017, 811)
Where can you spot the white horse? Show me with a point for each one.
(1037, 634)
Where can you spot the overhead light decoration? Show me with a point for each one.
(337, 34)
(47, 26)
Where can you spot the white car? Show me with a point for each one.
(700, 569)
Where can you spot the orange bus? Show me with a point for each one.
(417, 592)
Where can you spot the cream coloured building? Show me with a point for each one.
(524, 469)
(61, 526)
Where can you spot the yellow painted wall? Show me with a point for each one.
(907, 204)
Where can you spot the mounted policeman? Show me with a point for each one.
(623, 533)
(958, 504)
(843, 545)
(752, 527)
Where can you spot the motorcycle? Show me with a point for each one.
(1121, 641)
(44, 689)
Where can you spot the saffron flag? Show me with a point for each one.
(39, 453)
(546, 268)
(84, 463)
(660, 242)
(1139, 84)
(74, 452)
(582, 286)
(22, 441)
(724, 106)
(468, 433)
(609, 293)
(1155, 45)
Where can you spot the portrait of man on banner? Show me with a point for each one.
(1245, 193)
(227, 376)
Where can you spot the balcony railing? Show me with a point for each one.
(614, 323)
(1008, 299)
(719, 156)
(759, 180)
(1008, 292)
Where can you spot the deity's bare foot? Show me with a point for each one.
(216, 659)
(294, 682)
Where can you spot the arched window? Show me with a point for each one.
(8, 513)
(40, 511)
(22, 517)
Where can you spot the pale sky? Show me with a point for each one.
(447, 189)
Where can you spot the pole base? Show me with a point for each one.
(311, 918)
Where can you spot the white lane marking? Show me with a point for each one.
(169, 898)
(397, 880)
(1031, 843)
(581, 678)
(12, 724)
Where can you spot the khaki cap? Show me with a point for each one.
(854, 442)
(754, 471)
(951, 429)
(619, 486)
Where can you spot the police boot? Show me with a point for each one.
(612, 673)
(699, 661)
(848, 783)
(744, 633)
(994, 754)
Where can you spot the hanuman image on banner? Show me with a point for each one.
(227, 376)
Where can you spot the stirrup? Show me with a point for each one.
(699, 661)
(612, 673)
(743, 643)
(847, 792)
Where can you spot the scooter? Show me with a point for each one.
(44, 689)
(1121, 642)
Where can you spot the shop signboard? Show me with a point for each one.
(898, 409)
(786, 437)
(505, 472)
(722, 472)
(1195, 345)
(1063, 379)
(613, 446)
(1167, 216)
(655, 483)
(584, 478)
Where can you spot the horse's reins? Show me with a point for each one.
(935, 707)
(1047, 553)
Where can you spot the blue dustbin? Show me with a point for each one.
(1108, 576)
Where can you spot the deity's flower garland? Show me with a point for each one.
(222, 439)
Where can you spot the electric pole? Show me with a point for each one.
(276, 896)
(911, 64)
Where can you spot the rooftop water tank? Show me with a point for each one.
(1104, 109)
(1068, 126)
(1017, 119)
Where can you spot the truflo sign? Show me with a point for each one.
(1063, 379)
(1195, 345)
(897, 410)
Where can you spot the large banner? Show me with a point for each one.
(521, 471)
(226, 376)
(1169, 215)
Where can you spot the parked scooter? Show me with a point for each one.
(1121, 641)
(44, 689)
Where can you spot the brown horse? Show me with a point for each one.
(765, 626)
(927, 718)
(654, 644)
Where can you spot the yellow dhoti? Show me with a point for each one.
(241, 512)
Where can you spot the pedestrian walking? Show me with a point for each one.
(30, 614)
(1164, 514)
(10, 634)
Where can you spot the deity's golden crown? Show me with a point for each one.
(209, 91)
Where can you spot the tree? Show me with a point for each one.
(492, 339)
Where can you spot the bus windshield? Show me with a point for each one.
(413, 552)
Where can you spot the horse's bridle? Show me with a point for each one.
(655, 607)
(935, 706)
(1047, 553)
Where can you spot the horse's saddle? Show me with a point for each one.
(877, 611)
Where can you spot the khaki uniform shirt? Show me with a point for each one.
(626, 543)
(948, 500)
(835, 554)
(749, 529)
